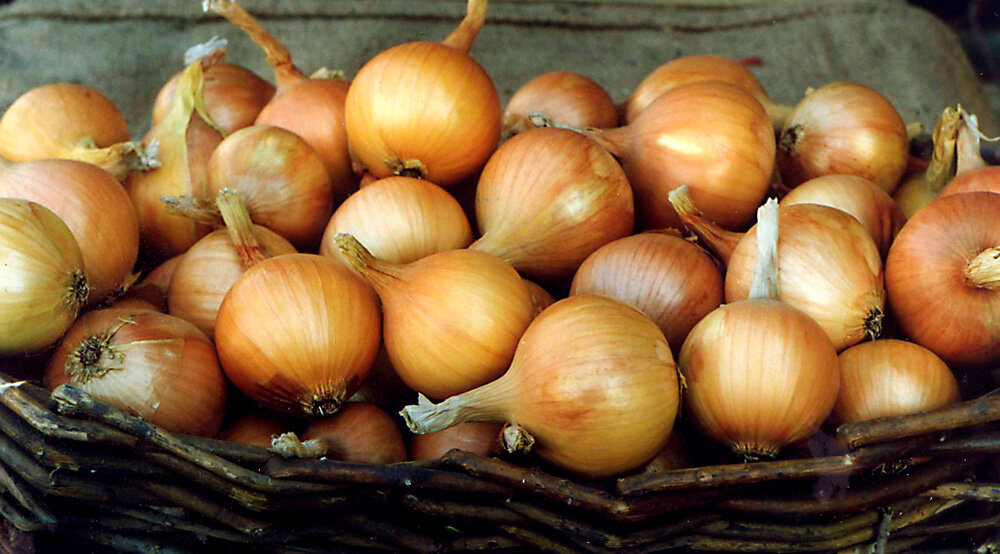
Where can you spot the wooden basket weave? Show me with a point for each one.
(83, 473)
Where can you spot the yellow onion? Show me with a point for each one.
(943, 278)
(548, 198)
(918, 189)
(69, 121)
(400, 220)
(565, 97)
(152, 365)
(186, 138)
(93, 205)
(713, 137)
(359, 432)
(476, 437)
(256, 428)
(426, 109)
(972, 174)
(844, 129)
(540, 298)
(298, 333)
(857, 196)
(665, 277)
(452, 319)
(593, 387)
(42, 284)
(760, 374)
(889, 377)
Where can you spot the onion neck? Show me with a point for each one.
(202, 212)
(378, 273)
(765, 274)
(118, 159)
(983, 271)
(233, 207)
(716, 239)
(615, 140)
(941, 167)
(465, 34)
(278, 57)
(485, 403)
(778, 114)
(967, 152)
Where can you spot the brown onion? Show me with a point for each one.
(256, 428)
(564, 97)
(476, 437)
(548, 198)
(152, 365)
(918, 189)
(844, 129)
(360, 433)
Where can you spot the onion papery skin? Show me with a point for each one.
(423, 109)
(844, 129)
(985, 179)
(871, 206)
(286, 186)
(234, 96)
(713, 137)
(886, 378)
(255, 428)
(760, 375)
(828, 267)
(565, 97)
(152, 365)
(359, 432)
(93, 205)
(208, 270)
(298, 333)
(667, 278)
(400, 220)
(42, 285)
(930, 297)
(477, 437)
(548, 199)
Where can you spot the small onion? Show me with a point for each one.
(298, 333)
(918, 189)
(943, 278)
(548, 198)
(665, 277)
(152, 365)
(889, 377)
(400, 220)
(564, 97)
(42, 285)
(593, 387)
(255, 428)
(452, 319)
(361, 433)
(972, 174)
(476, 437)
(844, 129)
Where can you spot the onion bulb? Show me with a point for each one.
(540, 298)
(564, 97)
(93, 205)
(298, 333)
(154, 287)
(69, 121)
(593, 387)
(665, 277)
(889, 377)
(42, 285)
(695, 69)
(844, 129)
(677, 454)
(452, 319)
(548, 198)
(918, 189)
(256, 428)
(152, 365)
(135, 305)
(713, 137)
(943, 278)
(476, 437)
(972, 174)
(760, 374)
(426, 109)
(360, 433)
(400, 220)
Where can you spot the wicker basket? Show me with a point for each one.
(99, 477)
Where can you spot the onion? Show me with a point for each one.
(943, 277)
(713, 137)
(547, 199)
(186, 138)
(971, 173)
(94, 207)
(360, 433)
(69, 121)
(400, 220)
(255, 428)
(563, 96)
(695, 69)
(887, 378)
(540, 298)
(452, 319)
(665, 277)
(312, 108)
(476, 437)
(154, 287)
(149, 364)
(760, 374)
(298, 333)
(593, 387)
(919, 189)
(42, 285)
(383, 387)
(844, 129)
(426, 109)
(135, 305)
(677, 454)
(234, 95)
(857, 196)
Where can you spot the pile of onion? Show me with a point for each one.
(919, 189)
(564, 97)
